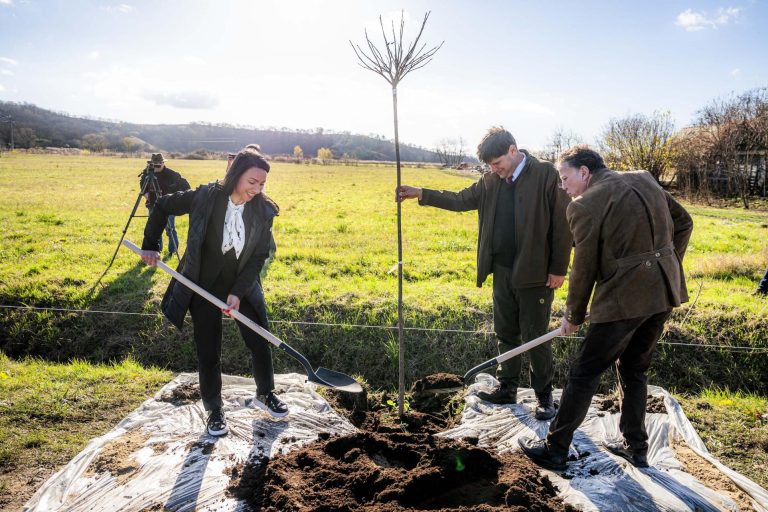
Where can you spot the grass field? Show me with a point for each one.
(62, 218)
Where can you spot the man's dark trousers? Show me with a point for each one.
(763, 286)
(631, 342)
(519, 315)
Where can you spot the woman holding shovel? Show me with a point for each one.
(230, 228)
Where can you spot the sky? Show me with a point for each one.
(533, 67)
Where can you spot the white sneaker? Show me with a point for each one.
(217, 425)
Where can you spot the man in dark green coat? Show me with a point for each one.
(524, 241)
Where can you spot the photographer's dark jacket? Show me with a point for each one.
(543, 240)
(630, 238)
(169, 181)
(202, 204)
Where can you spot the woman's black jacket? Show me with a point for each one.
(257, 217)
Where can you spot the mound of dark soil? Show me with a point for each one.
(396, 464)
(393, 473)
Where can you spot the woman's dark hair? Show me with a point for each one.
(583, 155)
(243, 161)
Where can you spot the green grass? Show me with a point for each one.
(49, 411)
(62, 217)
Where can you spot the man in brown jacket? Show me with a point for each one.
(524, 241)
(630, 237)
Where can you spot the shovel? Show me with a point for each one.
(321, 376)
(509, 354)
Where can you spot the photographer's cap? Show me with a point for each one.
(157, 159)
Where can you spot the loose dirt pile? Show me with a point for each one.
(396, 464)
(704, 471)
(183, 394)
(116, 456)
(612, 404)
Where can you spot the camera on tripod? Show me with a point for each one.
(149, 185)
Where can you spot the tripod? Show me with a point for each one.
(149, 186)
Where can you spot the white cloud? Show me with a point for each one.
(6, 2)
(726, 15)
(2, 89)
(692, 21)
(94, 55)
(124, 8)
(6, 60)
(6, 72)
(116, 84)
(736, 73)
(183, 99)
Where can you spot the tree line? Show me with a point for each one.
(722, 154)
(36, 127)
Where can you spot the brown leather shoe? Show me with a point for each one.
(502, 395)
(636, 458)
(539, 452)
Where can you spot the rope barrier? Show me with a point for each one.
(732, 348)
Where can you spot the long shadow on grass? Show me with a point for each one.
(126, 307)
(104, 332)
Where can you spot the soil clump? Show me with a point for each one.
(183, 394)
(612, 404)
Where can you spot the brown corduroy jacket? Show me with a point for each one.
(630, 238)
(543, 239)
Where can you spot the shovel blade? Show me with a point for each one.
(335, 380)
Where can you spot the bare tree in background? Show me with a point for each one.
(451, 152)
(638, 142)
(690, 150)
(725, 153)
(395, 60)
(560, 140)
(736, 130)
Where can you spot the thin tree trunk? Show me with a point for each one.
(400, 344)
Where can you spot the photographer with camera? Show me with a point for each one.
(156, 177)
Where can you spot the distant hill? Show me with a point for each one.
(37, 127)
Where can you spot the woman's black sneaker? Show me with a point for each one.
(217, 425)
(270, 403)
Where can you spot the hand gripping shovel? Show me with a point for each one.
(321, 376)
(509, 354)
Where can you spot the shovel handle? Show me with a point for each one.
(511, 353)
(525, 347)
(212, 299)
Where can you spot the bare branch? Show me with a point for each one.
(397, 58)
